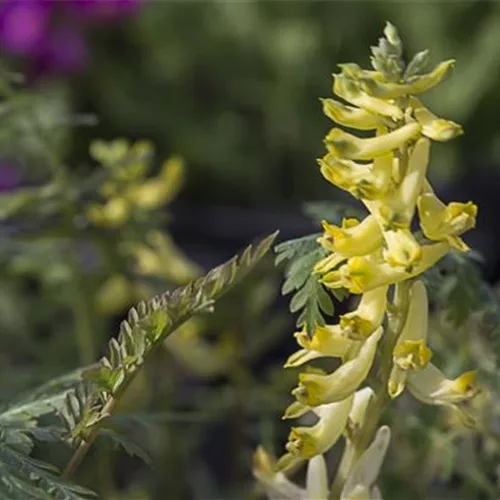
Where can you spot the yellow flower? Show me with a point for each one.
(440, 222)
(433, 127)
(345, 145)
(352, 92)
(352, 239)
(362, 400)
(414, 85)
(326, 340)
(395, 211)
(112, 214)
(317, 479)
(361, 274)
(276, 484)
(361, 481)
(411, 351)
(159, 190)
(431, 386)
(370, 181)
(315, 389)
(367, 317)
(350, 116)
(306, 442)
(402, 249)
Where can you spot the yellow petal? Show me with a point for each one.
(397, 208)
(349, 116)
(370, 181)
(345, 145)
(317, 479)
(276, 484)
(440, 222)
(315, 390)
(353, 93)
(361, 274)
(367, 317)
(306, 442)
(402, 249)
(350, 240)
(434, 127)
(361, 480)
(362, 400)
(432, 387)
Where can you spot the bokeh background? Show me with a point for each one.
(233, 87)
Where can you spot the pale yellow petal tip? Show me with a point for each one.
(295, 410)
(263, 463)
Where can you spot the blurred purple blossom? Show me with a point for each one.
(50, 34)
(9, 176)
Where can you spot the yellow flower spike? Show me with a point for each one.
(352, 92)
(317, 479)
(433, 127)
(315, 390)
(109, 153)
(367, 317)
(276, 484)
(345, 145)
(397, 208)
(306, 442)
(325, 341)
(418, 84)
(369, 181)
(361, 274)
(159, 190)
(361, 481)
(362, 399)
(431, 386)
(402, 249)
(440, 222)
(349, 116)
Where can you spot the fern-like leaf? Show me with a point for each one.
(309, 298)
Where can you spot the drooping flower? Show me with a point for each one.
(315, 389)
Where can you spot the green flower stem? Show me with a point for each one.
(361, 438)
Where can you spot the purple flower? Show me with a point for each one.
(23, 25)
(9, 176)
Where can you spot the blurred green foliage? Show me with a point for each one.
(234, 86)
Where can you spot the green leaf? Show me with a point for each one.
(24, 478)
(310, 298)
(43, 400)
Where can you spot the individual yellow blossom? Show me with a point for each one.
(326, 340)
(396, 210)
(315, 389)
(362, 274)
(367, 317)
(358, 414)
(111, 214)
(361, 482)
(114, 294)
(159, 190)
(402, 249)
(350, 116)
(345, 145)
(279, 487)
(433, 127)
(432, 387)
(369, 181)
(306, 442)
(352, 239)
(411, 351)
(440, 222)
(352, 92)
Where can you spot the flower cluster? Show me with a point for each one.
(51, 33)
(378, 257)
